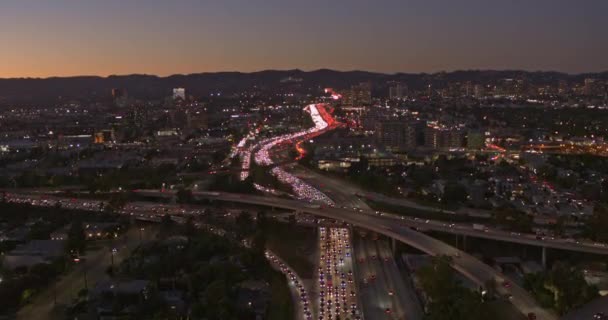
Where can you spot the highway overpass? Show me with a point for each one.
(422, 224)
(464, 263)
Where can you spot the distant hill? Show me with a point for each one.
(33, 91)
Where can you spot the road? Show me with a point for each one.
(466, 264)
(95, 266)
(342, 194)
(404, 295)
(383, 287)
(263, 156)
(300, 297)
(327, 183)
(432, 225)
(597, 306)
(389, 290)
(337, 288)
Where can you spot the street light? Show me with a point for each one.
(140, 236)
(112, 256)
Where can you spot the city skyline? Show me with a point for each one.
(68, 38)
(304, 160)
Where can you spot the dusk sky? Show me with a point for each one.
(41, 38)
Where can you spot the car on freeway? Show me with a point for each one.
(600, 316)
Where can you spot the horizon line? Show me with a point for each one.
(296, 70)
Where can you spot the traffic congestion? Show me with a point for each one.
(305, 311)
(301, 189)
(337, 288)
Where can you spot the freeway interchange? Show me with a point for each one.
(312, 201)
(466, 264)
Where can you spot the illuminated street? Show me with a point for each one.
(337, 288)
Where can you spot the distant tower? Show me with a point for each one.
(397, 91)
(359, 95)
(179, 93)
(120, 96)
(116, 93)
(479, 91)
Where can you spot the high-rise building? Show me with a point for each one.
(118, 93)
(593, 87)
(199, 119)
(479, 91)
(120, 96)
(179, 93)
(179, 118)
(358, 95)
(468, 89)
(371, 117)
(397, 91)
(396, 135)
(511, 87)
(562, 87)
(436, 137)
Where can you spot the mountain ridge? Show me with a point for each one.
(145, 86)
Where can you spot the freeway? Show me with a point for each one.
(388, 291)
(506, 236)
(354, 191)
(334, 187)
(340, 194)
(337, 289)
(464, 263)
(296, 287)
(262, 156)
(422, 224)
(374, 290)
(404, 292)
(383, 289)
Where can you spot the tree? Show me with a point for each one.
(454, 193)
(598, 223)
(217, 301)
(421, 176)
(244, 224)
(166, 222)
(189, 228)
(560, 225)
(76, 238)
(357, 168)
(259, 242)
(514, 220)
(116, 202)
(40, 231)
(572, 290)
(563, 288)
(448, 299)
(547, 172)
(535, 283)
(262, 220)
(437, 279)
